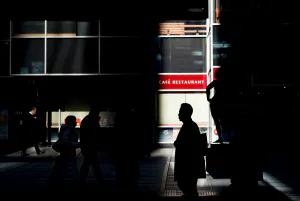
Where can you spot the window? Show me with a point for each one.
(27, 56)
(221, 44)
(221, 11)
(72, 55)
(123, 55)
(200, 107)
(168, 108)
(182, 55)
(72, 28)
(169, 105)
(28, 28)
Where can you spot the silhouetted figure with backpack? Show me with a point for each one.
(66, 145)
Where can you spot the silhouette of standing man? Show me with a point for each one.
(30, 132)
(189, 155)
(216, 103)
(89, 142)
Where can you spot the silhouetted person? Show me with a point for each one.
(90, 132)
(30, 132)
(217, 102)
(67, 145)
(189, 155)
(127, 150)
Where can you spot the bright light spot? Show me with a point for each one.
(276, 183)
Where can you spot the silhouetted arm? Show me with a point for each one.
(208, 88)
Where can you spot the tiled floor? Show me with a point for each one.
(214, 187)
(205, 187)
(33, 173)
(156, 175)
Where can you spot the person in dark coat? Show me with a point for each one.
(90, 132)
(189, 154)
(30, 132)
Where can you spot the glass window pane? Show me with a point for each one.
(222, 10)
(168, 108)
(87, 28)
(182, 55)
(27, 56)
(200, 106)
(221, 44)
(28, 28)
(72, 28)
(72, 55)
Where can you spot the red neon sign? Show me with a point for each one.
(182, 82)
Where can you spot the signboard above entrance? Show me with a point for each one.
(182, 82)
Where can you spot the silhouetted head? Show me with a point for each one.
(71, 120)
(185, 112)
(32, 109)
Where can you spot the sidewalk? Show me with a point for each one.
(282, 173)
(21, 175)
(29, 174)
(270, 188)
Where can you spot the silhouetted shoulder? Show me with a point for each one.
(191, 125)
(84, 122)
(195, 125)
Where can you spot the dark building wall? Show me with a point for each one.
(264, 41)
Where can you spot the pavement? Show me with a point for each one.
(27, 176)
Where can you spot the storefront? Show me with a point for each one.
(174, 90)
(189, 53)
(108, 93)
(58, 118)
(183, 62)
(184, 66)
